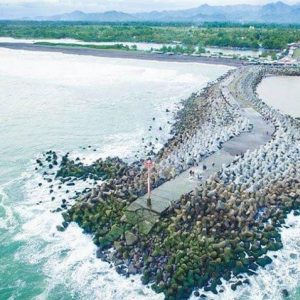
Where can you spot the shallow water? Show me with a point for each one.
(281, 92)
(64, 102)
(237, 52)
(140, 46)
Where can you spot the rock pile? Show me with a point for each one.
(229, 223)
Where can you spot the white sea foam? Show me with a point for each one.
(6, 216)
(8, 221)
(58, 101)
(68, 258)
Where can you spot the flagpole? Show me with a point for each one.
(149, 165)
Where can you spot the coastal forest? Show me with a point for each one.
(208, 34)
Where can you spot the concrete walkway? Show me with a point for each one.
(171, 191)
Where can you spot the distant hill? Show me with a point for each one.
(278, 12)
(109, 16)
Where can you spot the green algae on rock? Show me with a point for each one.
(100, 169)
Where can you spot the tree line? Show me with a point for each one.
(208, 34)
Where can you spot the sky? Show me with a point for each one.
(31, 8)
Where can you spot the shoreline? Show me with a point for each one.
(139, 55)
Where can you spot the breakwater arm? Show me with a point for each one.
(228, 222)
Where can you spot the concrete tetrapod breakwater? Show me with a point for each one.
(170, 192)
(246, 160)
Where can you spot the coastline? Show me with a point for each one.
(125, 54)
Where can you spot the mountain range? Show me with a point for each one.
(278, 12)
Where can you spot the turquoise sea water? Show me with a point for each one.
(64, 103)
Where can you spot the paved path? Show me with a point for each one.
(171, 191)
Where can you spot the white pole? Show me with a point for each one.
(149, 165)
(149, 185)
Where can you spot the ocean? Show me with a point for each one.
(66, 103)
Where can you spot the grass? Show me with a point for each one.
(210, 34)
(98, 47)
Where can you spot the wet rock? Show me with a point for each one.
(264, 261)
(132, 270)
(121, 270)
(235, 285)
(65, 224)
(60, 228)
(130, 238)
(100, 254)
(285, 293)
(196, 294)
(117, 245)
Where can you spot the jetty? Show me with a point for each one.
(166, 195)
(223, 221)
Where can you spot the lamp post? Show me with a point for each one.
(149, 165)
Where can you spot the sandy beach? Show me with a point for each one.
(124, 54)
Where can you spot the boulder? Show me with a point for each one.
(130, 238)
(60, 228)
(284, 293)
(264, 261)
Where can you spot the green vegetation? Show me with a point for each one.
(214, 34)
(98, 47)
(178, 49)
(100, 169)
(297, 54)
(271, 54)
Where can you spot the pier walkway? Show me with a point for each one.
(171, 191)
